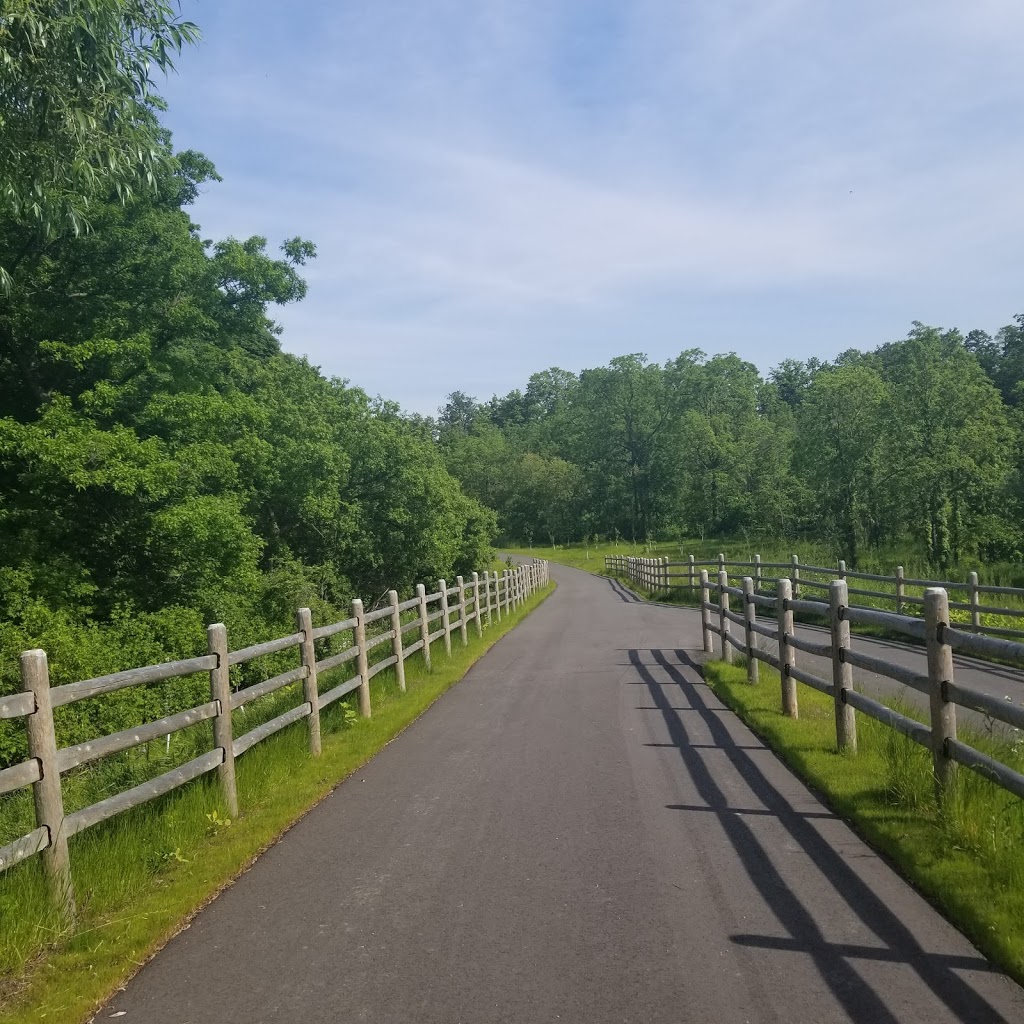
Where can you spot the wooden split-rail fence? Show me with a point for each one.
(940, 636)
(477, 600)
(665, 575)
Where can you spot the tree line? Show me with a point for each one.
(163, 463)
(918, 442)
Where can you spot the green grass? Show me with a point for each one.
(968, 859)
(139, 877)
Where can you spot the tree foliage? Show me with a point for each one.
(161, 459)
(917, 442)
(77, 107)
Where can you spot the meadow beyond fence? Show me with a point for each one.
(382, 630)
(939, 634)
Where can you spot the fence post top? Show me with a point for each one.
(37, 653)
(703, 575)
(972, 578)
(838, 591)
(784, 587)
(748, 583)
(357, 605)
(420, 589)
(214, 629)
(393, 596)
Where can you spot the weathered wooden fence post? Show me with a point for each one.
(972, 585)
(362, 663)
(787, 652)
(477, 610)
(220, 691)
(723, 619)
(749, 636)
(487, 597)
(842, 569)
(795, 575)
(899, 589)
(396, 640)
(445, 622)
(460, 583)
(46, 792)
(705, 613)
(310, 689)
(497, 595)
(690, 559)
(940, 672)
(507, 577)
(757, 574)
(421, 597)
(842, 670)
(721, 561)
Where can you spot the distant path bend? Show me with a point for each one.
(578, 832)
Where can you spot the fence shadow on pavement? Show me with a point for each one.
(673, 674)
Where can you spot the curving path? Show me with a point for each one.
(577, 832)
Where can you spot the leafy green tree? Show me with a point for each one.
(947, 448)
(836, 452)
(77, 109)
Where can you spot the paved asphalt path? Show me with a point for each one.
(577, 832)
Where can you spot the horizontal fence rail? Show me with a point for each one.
(661, 574)
(940, 635)
(471, 603)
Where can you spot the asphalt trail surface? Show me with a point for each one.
(577, 832)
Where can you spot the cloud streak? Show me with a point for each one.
(558, 178)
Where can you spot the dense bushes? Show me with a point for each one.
(164, 465)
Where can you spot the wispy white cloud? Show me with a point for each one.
(550, 177)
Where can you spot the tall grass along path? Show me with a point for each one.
(579, 831)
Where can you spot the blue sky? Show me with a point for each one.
(496, 187)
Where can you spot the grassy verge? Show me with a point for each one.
(139, 877)
(968, 859)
